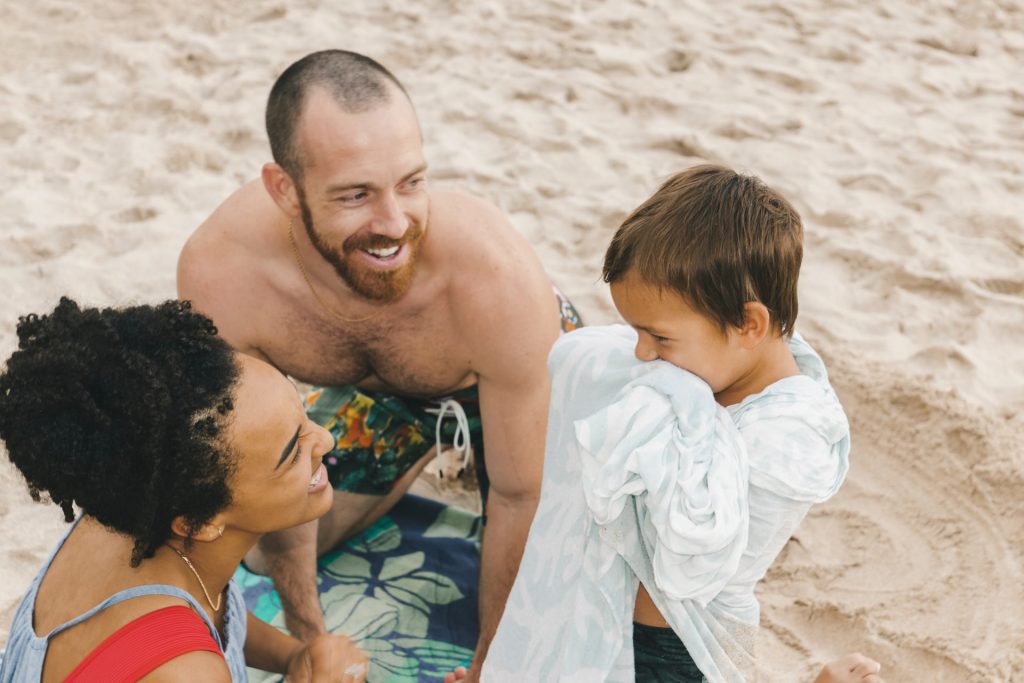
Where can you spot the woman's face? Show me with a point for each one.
(279, 480)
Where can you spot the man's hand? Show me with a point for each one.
(855, 668)
(328, 658)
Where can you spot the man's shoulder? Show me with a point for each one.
(477, 240)
(466, 218)
(218, 267)
(234, 223)
(238, 232)
(496, 282)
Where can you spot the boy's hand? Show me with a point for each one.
(855, 668)
(459, 674)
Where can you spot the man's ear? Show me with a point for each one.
(757, 324)
(210, 531)
(281, 188)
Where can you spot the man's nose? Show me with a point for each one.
(391, 220)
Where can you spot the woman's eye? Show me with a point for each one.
(660, 340)
(298, 449)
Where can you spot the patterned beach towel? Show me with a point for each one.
(405, 590)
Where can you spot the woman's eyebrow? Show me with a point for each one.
(288, 448)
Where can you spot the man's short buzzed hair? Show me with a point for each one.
(719, 239)
(356, 82)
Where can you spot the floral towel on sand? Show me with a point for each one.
(405, 590)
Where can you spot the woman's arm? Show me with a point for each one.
(191, 666)
(267, 648)
(327, 657)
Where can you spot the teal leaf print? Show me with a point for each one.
(382, 536)
(358, 616)
(454, 522)
(389, 663)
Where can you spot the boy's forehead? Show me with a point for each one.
(638, 290)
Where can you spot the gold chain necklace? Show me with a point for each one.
(216, 607)
(309, 283)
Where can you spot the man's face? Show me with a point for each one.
(363, 194)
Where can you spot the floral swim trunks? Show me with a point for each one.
(379, 437)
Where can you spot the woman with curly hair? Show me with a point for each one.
(179, 454)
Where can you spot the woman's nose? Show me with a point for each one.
(326, 439)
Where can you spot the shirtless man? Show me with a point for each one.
(345, 270)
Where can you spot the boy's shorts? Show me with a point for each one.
(379, 437)
(660, 657)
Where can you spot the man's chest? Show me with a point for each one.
(418, 355)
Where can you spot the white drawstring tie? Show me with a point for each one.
(460, 442)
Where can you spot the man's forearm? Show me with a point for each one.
(508, 524)
(291, 562)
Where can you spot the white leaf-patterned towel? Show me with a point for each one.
(646, 479)
(666, 449)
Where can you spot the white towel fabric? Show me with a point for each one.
(647, 478)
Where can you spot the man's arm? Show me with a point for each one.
(510, 318)
(289, 556)
(514, 420)
(216, 288)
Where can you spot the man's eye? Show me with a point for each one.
(359, 196)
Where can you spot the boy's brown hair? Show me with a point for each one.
(719, 239)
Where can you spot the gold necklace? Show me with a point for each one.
(216, 607)
(305, 276)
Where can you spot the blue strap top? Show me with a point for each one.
(26, 652)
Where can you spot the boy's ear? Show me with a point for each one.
(281, 188)
(757, 324)
(210, 531)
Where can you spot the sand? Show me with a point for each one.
(896, 128)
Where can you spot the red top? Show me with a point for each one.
(141, 645)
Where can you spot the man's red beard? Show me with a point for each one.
(371, 283)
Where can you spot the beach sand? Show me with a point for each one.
(897, 129)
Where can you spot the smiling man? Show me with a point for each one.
(345, 270)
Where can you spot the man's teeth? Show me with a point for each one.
(383, 253)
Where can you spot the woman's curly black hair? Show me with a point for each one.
(123, 413)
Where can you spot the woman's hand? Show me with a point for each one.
(855, 668)
(328, 657)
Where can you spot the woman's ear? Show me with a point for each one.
(757, 324)
(206, 533)
(281, 188)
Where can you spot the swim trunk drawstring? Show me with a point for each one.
(460, 442)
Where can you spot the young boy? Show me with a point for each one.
(690, 488)
(706, 273)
